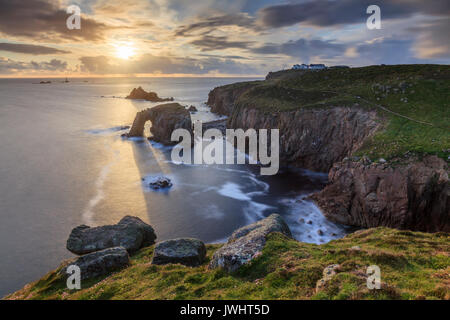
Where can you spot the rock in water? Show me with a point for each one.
(141, 94)
(165, 119)
(131, 233)
(192, 109)
(189, 252)
(160, 183)
(247, 242)
(100, 263)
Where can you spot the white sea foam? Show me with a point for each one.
(232, 190)
(88, 213)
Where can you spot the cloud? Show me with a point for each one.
(304, 49)
(30, 49)
(432, 39)
(331, 12)
(164, 65)
(207, 25)
(210, 43)
(43, 19)
(9, 66)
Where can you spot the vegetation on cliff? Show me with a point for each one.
(413, 266)
(413, 102)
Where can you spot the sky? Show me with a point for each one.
(215, 37)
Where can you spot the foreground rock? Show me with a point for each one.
(100, 263)
(247, 242)
(141, 94)
(130, 233)
(189, 252)
(414, 195)
(165, 119)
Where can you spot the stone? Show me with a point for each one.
(186, 251)
(100, 263)
(141, 94)
(160, 183)
(320, 232)
(165, 119)
(192, 109)
(131, 233)
(328, 273)
(247, 243)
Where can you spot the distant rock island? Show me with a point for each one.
(141, 94)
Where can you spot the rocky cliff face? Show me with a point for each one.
(314, 138)
(412, 196)
(311, 138)
(222, 99)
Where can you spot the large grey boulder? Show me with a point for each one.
(100, 263)
(190, 252)
(131, 233)
(247, 242)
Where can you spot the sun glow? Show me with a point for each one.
(125, 51)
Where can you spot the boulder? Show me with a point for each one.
(192, 109)
(189, 252)
(247, 242)
(165, 119)
(141, 94)
(100, 263)
(131, 233)
(160, 183)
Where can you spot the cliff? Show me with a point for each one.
(381, 113)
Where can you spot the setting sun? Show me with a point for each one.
(125, 52)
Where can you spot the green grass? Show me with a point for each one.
(426, 89)
(413, 266)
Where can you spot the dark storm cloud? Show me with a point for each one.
(43, 19)
(329, 13)
(433, 38)
(30, 49)
(303, 48)
(209, 24)
(210, 43)
(167, 65)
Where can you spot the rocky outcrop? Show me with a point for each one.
(313, 138)
(414, 195)
(222, 99)
(130, 233)
(192, 109)
(165, 119)
(189, 252)
(247, 243)
(158, 183)
(100, 263)
(141, 94)
(328, 274)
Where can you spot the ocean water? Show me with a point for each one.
(63, 163)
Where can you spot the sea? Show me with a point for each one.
(64, 163)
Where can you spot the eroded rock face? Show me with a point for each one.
(100, 263)
(187, 251)
(141, 94)
(413, 196)
(165, 119)
(247, 242)
(130, 233)
(313, 138)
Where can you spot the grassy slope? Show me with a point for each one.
(413, 266)
(427, 90)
